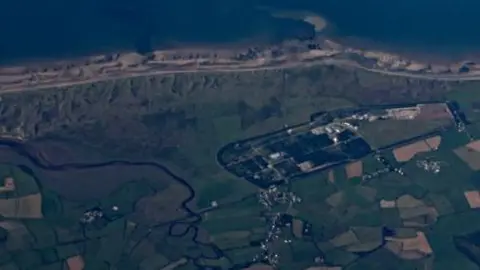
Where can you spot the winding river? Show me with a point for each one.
(191, 221)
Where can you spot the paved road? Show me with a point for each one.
(437, 77)
(334, 62)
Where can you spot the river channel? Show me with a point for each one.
(18, 153)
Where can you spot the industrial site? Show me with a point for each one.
(377, 190)
(328, 140)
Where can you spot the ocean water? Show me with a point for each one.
(60, 28)
(33, 29)
(438, 26)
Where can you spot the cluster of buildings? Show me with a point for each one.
(270, 197)
(294, 152)
(429, 165)
(458, 117)
(337, 132)
(387, 168)
(324, 142)
(407, 113)
(95, 214)
(403, 113)
(91, 216)
(273, 196)
(305, 148)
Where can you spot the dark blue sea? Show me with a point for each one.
(442, 26)
(33, 29)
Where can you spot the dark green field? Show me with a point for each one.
(143, 152)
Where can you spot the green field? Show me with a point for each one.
(345, 216)
(439, 210)
(386, 132)
(180, 122)
(123, 237)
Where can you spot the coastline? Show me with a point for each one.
(435, 55)
(129, 65)
(236, 57)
